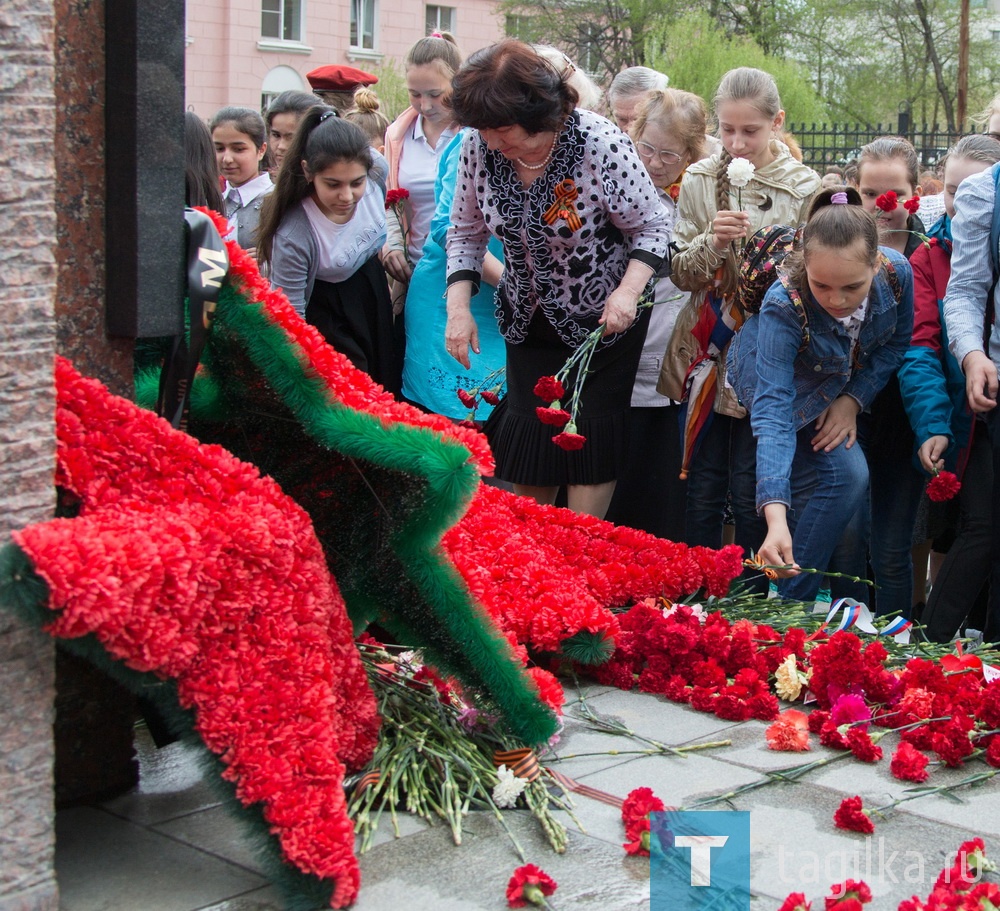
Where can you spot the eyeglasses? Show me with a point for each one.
(646, 151)
(995, 136)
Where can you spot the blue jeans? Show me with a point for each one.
(725, 464)
(828, 492)
(896, 489)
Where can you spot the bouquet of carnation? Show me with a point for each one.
(438, 755)
(394, 200)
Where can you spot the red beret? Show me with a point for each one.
(339, 78)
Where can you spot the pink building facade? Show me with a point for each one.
(246, 51)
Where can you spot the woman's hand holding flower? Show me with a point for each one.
(727, 227)
(395, 264)
(619, 310)
(932, 452)
(777, 547)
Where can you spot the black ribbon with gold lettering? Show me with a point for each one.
(207, 267)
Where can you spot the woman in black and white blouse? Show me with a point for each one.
(561, 280)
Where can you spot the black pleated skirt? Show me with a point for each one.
(522, 444)
(355, 317)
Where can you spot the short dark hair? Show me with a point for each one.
(509, 84)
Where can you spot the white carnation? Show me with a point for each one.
(508, 788)
(740, 172)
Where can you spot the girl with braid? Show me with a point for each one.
(714, 222)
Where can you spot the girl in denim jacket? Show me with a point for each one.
(828, 337)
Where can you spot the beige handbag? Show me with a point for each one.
(682, 349)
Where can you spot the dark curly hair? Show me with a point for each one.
(509, 84)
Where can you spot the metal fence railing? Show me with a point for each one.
(834, 144)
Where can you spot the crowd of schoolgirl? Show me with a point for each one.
(834, 402)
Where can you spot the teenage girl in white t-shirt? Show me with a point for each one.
(322, 232)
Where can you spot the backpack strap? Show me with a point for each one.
(800, 308)
(889, 270)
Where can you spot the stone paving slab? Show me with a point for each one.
(171, 784)
(105, 863)
(659, 718)
(215, 831)
(427, 872)
(795, 846)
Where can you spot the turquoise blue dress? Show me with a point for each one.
(431, 376)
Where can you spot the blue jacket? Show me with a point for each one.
(785, 389)
(930, 379)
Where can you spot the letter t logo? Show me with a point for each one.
(701, 855)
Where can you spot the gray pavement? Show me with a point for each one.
(170, 846)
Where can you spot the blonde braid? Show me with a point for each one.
(722, 188)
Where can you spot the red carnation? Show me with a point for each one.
(887, 202)
(467, 399)
(555, 417)
(549, 389)
(393, 197)
(569, 441)
(992, 756)
(789, 733)
(635, 815)
(796, 902)
(549, 689)
(912, 204)
(908, 763)
(490, 397)
(848, 895)
(862, 747)
(951, 741)
(529, 884)
(943, 486)
(851, 815)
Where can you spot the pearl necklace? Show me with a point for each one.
(545, 160)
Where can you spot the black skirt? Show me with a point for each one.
(355, 317)
(522, 444)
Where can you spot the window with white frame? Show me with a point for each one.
(363, 17)
(440, 19)
(281, 19)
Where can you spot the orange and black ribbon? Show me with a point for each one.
(566, 194)
(523, 763)
(367, 781)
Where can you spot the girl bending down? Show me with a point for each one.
(828, 336)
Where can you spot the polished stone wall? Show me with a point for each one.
(27, 444)
(80, 150)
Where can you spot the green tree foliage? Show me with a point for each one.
(602, 36)
(857, 61)
(391, 87)
(696, 53)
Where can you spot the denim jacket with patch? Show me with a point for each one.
(785, 388)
